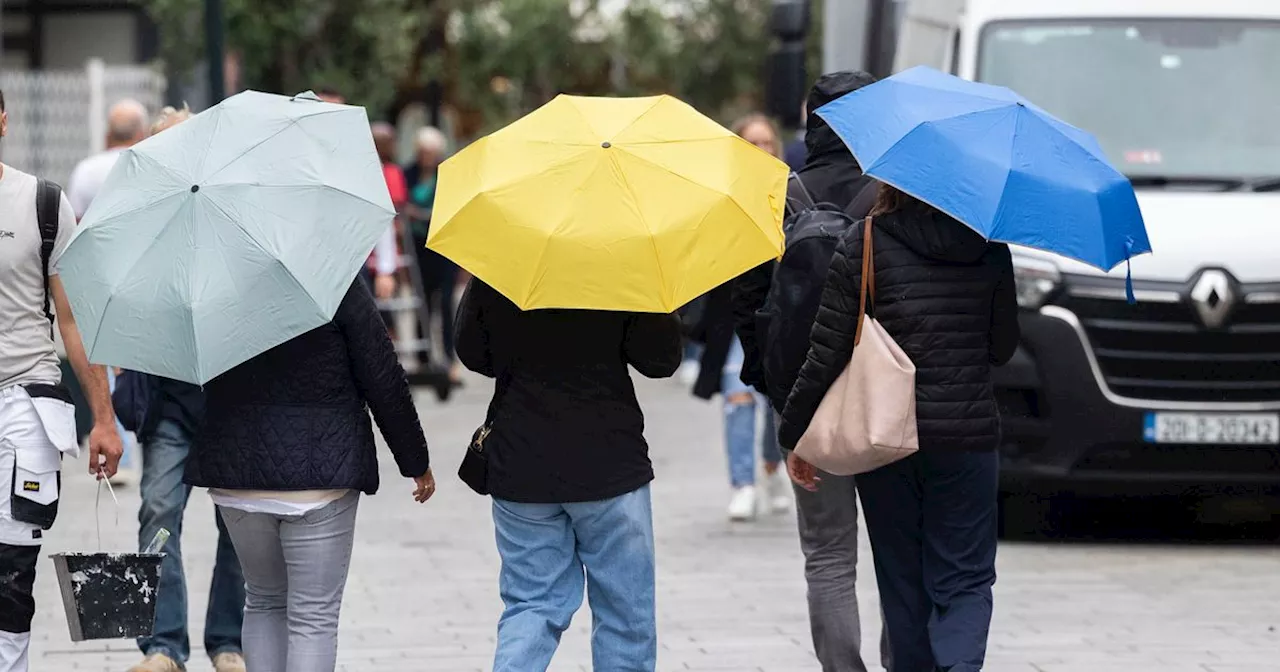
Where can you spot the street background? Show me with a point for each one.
(422, 595)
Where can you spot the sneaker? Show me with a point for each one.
(743, 505)
(157, 662)
(228, 662)
(777, 491)
(688, 372)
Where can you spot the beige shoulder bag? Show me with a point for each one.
(868, 417)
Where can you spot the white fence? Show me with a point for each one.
(57, 118)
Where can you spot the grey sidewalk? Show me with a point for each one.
(423, 591)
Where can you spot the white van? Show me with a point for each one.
(1181, 391)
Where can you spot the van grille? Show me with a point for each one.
(1161, 350)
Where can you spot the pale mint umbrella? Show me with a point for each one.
(226, 235)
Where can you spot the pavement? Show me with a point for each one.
(422, 595)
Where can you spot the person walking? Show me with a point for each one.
(720, 372)
(569, 472)
(286, 449)
(827, 518)
(439, 275)
(385, 260)
(172, 418)
(37, 418)
(126, 127)
(947, 297)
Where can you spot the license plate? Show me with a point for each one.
(1213, 428)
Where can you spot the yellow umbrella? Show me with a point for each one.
(633, 204)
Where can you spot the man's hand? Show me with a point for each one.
(426, 487)
(802, 473)
(384, 286)
(105, 450)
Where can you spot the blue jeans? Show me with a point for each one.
(548, 551)
(126, 459)
(932, 523)
(741, 405)
(164, 498)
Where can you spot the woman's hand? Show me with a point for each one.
(802, 473)
(384, 286)
(426, 487)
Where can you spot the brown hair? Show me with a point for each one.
(890, 199)
(742, 124)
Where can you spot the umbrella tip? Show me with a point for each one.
(195, 188)
(606, 144)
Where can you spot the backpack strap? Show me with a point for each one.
(799, 195)
(48, 204)
(868, 278)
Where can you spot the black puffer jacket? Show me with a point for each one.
(947, 297)
(297, 416)
(831, 175)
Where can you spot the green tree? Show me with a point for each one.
(502, 57)
(365, 48)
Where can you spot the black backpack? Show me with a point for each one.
(783, 323)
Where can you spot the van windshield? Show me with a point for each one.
(1171, 101)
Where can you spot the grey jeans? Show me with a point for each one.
(829, 539)
(295, 569)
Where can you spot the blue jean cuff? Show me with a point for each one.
(182, 664)
(230, 648)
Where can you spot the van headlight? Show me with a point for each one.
(1035, 279)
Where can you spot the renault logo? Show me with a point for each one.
(1213, 298)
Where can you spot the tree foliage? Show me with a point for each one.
(504, 57)
(364, 48)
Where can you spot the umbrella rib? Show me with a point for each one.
(217, 125)
(329, 187)
(249, 234)
(112, 294)
(269, 138)
(657, 258)
(133, 211)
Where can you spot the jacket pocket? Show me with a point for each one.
(59, 420)
(36, 482)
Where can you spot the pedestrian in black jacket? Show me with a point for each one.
(828, 518)
(720, 373)
(569, 472)
(831, 175)
(947, 297)
(286, 447)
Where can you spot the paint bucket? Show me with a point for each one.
(109, 595)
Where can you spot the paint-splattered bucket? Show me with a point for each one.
(109, 595)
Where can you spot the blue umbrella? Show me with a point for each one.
(994, 161)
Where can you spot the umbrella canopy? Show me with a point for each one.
(226, 235)
(994, 161)
(632, 204)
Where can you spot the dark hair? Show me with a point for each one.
(890, 199)
(328, 91)
(1, 100)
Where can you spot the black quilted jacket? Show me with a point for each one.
(297, 416)
(947, 298)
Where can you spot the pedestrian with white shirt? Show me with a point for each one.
(126, 126)
(286, 448)
(37, 419)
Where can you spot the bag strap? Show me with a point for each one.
(48, 203)
(868, 278)
(801, 195)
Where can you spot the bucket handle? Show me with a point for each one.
(97, 507)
